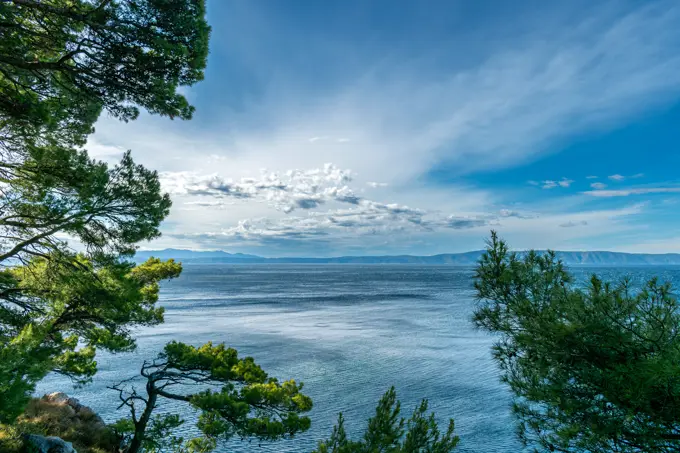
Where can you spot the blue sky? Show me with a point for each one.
(355, 127)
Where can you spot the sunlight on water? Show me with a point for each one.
(348, 332)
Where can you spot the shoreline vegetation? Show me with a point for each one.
(593, 369)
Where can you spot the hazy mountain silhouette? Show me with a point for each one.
(459, 259)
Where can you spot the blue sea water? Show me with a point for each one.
(348, 332)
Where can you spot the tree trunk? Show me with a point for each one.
(140, 426)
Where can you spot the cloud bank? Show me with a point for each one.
(396, 120)
(294, 189)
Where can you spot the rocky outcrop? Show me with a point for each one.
(79, 411)
(51, 444)
(57, 423)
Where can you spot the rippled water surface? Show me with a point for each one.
(348, 332)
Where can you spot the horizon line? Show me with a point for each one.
(400, 255)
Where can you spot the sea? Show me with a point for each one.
(349, 333)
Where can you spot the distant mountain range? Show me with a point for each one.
(455, 259)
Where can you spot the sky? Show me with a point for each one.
(398, 127)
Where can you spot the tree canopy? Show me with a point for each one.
(387, 432)
(62, 63)
(236, 399)
(594, 368)
(63, 192)
(56, 315)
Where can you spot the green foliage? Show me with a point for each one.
(10, 439)
(595, 369)
(62, 63)
(238, 399)
(387, 433)
(56, 190)
(65, 313)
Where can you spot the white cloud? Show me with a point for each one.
(498, 113)
(591, 177)
(598, 185)
(307, 190)
(375, 225)
(511, 213)
(550, 184)
(294, 189)
(627, 192)
(107, 153)
(508, 106)
(209, 203)
(618, 177)
(571, 224)
(326, 137)
(376, 184)
(367, 219)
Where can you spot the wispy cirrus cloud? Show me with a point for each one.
(500, 112)
(572, 224)
(392, 120)
(598, 185)
(326, 137)
(632, 191)
(617, 177)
